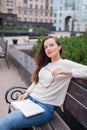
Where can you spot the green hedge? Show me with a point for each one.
(74, 48)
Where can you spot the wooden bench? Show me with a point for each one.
(3, 52)
(75, 108)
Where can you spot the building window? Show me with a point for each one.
(55, 21)
(19, 18)
(9, 3)
(51, 8)
(41, 1)
(60, 21)
(41, 6)
(46, 6)
(41, 13)
(41, 20)
(25, 19)
(36, 6)
(46, 14)
(60, 14)
(30, 19)
(25, 11)
(51, 14)
(10, 11)
(36, 20)
(25, 1)
(19, 11)
(36, 13)
(46, 20)
(19, 4)
(30, 12)
(60, 8)
(51, 1)
(30, 6)
(55, 15)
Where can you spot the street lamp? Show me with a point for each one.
(73, 18)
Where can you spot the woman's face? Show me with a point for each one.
(52, 49)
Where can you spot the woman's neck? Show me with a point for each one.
(55, 59)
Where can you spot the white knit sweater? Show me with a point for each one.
(52, 90)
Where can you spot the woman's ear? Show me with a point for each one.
(60, 47)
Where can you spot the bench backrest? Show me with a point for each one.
(76, 101)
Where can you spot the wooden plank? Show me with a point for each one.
(57, 123)
(78, 92)
(78, 110)
(43, 127)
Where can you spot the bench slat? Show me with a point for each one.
(58, 124)
(77, 110)
(43, 127)
(78, 92)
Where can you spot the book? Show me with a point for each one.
(27, 107)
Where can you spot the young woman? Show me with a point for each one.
(50, 82)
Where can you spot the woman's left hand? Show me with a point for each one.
(61, 71)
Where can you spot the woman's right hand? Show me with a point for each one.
(23, 96)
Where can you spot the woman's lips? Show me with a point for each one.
(49, 53)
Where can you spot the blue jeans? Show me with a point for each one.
(16, 120)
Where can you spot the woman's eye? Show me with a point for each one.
(51, 44)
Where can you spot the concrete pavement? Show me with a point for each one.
(8, 78)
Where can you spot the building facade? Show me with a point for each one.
(70, 15)
(29, 12)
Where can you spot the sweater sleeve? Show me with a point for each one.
(78, 70)
(31, 87)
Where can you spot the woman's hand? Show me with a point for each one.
(23, 96)
(61, 71)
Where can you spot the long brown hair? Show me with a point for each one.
(41, 59)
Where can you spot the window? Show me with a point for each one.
(30, 6)
(36, 6)
(19, 11)
(41, 13)
(25, 1)
(60, 8)
(10, 11)
(55, 21)
(9, 3)
(51, 14)
(30, 19)
(46, 14)
(41, 6)
(60, 21)
(25, 19)
(46, 6)
(41, 1)
(46, 20)
(41, 20)
(19, 18)
(19, 4)
(30, 12)
(55, 14)
(25, 11)
(36, 13)
(60, 14)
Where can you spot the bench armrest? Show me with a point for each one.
(13, 93)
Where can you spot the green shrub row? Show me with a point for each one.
(74, 48)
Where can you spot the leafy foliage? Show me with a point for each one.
(74, 48)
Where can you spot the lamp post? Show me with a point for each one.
(73, 18)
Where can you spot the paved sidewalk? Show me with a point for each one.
(8, 78)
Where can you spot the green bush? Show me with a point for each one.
(74, 48)
(37, 45)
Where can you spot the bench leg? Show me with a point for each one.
(7, 63)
